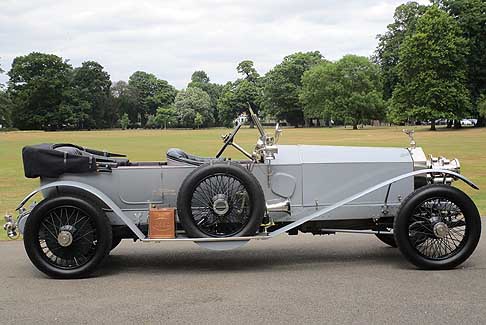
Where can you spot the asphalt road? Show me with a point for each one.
(305, 279)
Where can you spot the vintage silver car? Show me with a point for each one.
(93, 199)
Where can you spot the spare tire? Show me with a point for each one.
(220, 200)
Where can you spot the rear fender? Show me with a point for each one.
(92, 192)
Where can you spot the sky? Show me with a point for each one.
(172, 39)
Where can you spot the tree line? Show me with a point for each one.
(429, 64)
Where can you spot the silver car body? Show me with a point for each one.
(337, 181)
(311, 177)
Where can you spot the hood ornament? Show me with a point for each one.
(411, 136)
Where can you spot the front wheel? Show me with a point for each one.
(438, 227)
(67, 237)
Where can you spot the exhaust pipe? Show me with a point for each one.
(283, 206)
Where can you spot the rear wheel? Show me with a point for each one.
(67, 237)
(438, 227)
(220, 200)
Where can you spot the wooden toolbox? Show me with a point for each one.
(161, 223)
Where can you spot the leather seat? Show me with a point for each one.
(176, 156)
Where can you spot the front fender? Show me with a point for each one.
(92, 191)
(453, 174)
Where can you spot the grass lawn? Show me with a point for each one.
(469, 145)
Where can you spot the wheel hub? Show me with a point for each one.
(65, 238)
(220, 205)
(441, 230)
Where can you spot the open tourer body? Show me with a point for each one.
(93, 199)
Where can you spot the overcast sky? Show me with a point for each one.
(173, 38)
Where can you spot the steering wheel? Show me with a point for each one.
(265, 144)
(228, 139)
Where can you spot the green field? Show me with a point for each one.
(469, 145)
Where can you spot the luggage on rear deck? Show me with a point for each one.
(53, 160)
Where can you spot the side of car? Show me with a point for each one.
(397, 194)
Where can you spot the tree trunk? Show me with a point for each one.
(432, 125)
(457, 124)
(449, 123)
(355, 125)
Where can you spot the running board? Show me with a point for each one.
(205, 240)
(366, 232)
(217, 244)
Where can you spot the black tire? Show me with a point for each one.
(420, 233)
(115, 242)
(90, 236)
(220, 200)
(387, 239)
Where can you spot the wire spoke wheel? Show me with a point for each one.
(220, 200)
(437, 228)
(67, 237)
(220, 205)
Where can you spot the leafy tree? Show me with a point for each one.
(200, 79)
(191, 101)
(236, 95)
(91, 87)
(151, 122)
(283, 83)
(349, 89)
(387, 52)
(148, 93)
(246, 68)
(316, 86)
(1, 72)
(200, 76)
(471, 17)
(5, 106)
(198, 120)
(111, 109)
(235, 99)
(37, 86)
(123, 101)
(166, 116)
(482, 105)
(228, 104)
(77, 110)
(124, 121)
(432, 71)
(5, 109)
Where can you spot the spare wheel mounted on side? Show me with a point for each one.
(220, 199)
